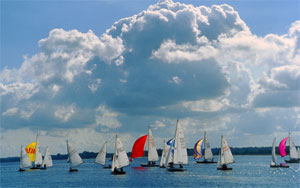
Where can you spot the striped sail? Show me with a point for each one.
(198, 149)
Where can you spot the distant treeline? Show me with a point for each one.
(235, 151)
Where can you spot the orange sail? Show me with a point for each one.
(138, 147)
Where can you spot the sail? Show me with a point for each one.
(38, 154)
(152, 152)
(138, 147)
(47, 158)
(207, 150)
(180, 151)
(24, 159)
(198, 149)
(226, 155)
(163, 155)
(282, 151)
(120, 154)
(219, 159)
(74, 157)
(101, 157)
(293, 150)
(30, 150)
(274, 159)
(169, 151)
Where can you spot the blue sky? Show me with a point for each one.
(99, 67)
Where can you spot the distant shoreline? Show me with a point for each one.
(91, 155)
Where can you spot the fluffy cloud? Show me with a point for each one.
(201, 64)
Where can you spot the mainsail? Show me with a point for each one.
(74, 157)
(38, 155)
(101, 157)
(293, 150)
(226, 155)
(120, 158)
(207, 150)
(47, 158)
(180, 151)
(24, 159)
(152, 152)
(274, 159)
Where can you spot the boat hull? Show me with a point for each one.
(118, 172)
(292, 161)
(279, 166)
(224, 168)
(22, 170)
(149, 165)
(206, 162)
(106, 167)
(73, 170)
(176, 169)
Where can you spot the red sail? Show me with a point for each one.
(138, 147)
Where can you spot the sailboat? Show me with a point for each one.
(101, 157)
(35, 152)
(47, 162)
(274, 158)
(202, 148)
(120, 158)
(225, 156)
(24, 160)
(152, 152)
(74, 158)
(294, 153)
(180, 156)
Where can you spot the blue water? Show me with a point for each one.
(248, 171)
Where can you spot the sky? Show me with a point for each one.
(85, 70)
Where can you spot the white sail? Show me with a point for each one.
(180, 151)
(74, 157)
(38, 155)
(274, 159)
(293, 150)
(101, 157)
(47, 158)
(168, 153)
(152, 152)
(164, 154)
(120, 158)
(24, 159)
(207, 150)
(226, 155)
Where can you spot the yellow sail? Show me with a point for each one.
(30, 150)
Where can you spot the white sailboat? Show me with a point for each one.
(120, 158)
(152, 152)
(274, 157)
(225, 156)
(180, 156)
(101, 157)
(24, 160)
(294, 153)
(47, 162)
(74, 158)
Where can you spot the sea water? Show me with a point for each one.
(248, 171)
